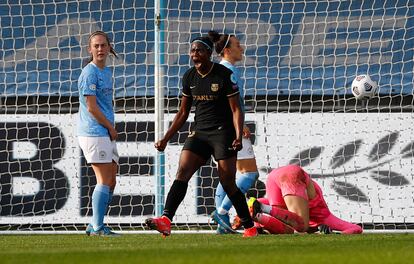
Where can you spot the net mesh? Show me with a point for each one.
(300, 60)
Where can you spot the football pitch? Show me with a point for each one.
(207, 248)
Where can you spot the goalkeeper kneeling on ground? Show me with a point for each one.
(294, 202)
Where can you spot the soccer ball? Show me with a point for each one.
(363, 87)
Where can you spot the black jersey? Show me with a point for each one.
(210, 96)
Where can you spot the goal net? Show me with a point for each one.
(300, 60)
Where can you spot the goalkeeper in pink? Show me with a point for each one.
(295, 202)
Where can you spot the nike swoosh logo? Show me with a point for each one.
(192, 87)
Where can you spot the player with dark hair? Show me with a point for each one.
(217, 131)
(295, 202)
(229, 48)
(96, 128)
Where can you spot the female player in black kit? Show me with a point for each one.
(217, 131)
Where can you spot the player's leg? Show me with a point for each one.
(100, 196)
(246, 176)
(245, 180)
(299, 206)
(221, 141)
(273, 225)
(338, 224)
(281, 183)
(247, 173)
(220, 216)
(227, 171)
(321, 217)
(294, 184)
(189, 163)
(224, 204)
(102, 154)
(194, 155)
(115, 160)
(219, 197)
(261, 205)
(284, 222)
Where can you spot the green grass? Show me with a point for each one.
(208, 248)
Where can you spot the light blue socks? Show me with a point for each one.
(100, 199)
(244, 182)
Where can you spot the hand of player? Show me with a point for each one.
(161, 145)
(113, 134)
(237, 144)
(246, 132)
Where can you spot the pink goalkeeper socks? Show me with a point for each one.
(273, 225)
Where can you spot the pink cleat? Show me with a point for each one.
(161, 224)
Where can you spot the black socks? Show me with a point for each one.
(174, 198)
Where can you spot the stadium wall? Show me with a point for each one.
(365, 180)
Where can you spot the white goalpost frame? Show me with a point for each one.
(300, 60)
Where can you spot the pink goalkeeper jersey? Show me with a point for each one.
(292, 180)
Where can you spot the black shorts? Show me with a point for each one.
(216, 142)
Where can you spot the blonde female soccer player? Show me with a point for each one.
(96, 128)
(295, 202)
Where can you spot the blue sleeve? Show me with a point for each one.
(88, 84)
(230, 84)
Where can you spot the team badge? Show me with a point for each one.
(92, 87)
(214, 87)
(102, 155)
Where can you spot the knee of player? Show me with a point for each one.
(183, 175)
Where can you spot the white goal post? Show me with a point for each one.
(300, 59)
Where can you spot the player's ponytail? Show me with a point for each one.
(221, 41)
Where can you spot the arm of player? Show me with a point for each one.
(238, 121)
(177, 123)
(93, 109)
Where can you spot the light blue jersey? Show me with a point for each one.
(238, 80)
(97, 82)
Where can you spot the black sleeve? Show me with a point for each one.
(186, 84)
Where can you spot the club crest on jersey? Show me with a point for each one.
(214, 87)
